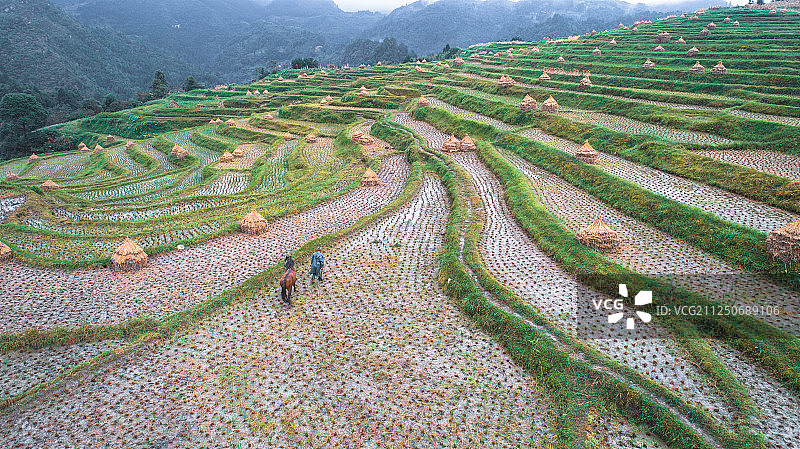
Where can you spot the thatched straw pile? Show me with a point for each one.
(11, 176)
(49, 185)
(378, 64)
(544, 77)
(179, 152)
(33, 158)
(98, 149)
(5, 252)
(659, 49)
(446, 67)
(600, 237)
(459, 61)
(472, 56)
(663, 37)
(596, 52)
(649, 64)
(467, 144)
(692, 51)
(311, 138)
(613, 42)
(784, 243)
(718, 69)
(560, 59)
(110, 139)
(585, 82)
(363, 139)
(704, 32)
(528, 104)
(226, 157)
(221, 105)
(253, 223)
(173, 104)
(422, 102)
(280, 78)
(362, 66)
(256, 92)
(323, 102)
(697, 68)
(726, 20)
(237, 152)
(535, 49)
(550, 106)
(587, 154)
(712, 26)
(370, 178)
(635, 30)
(82, 147)
(129, 145)
(621, 26)
(506, 81)
(287, 136)
(736, 23)
(451, 145)
(269, 117)
(230, 122)
(417, 68)
(681, 41)
(363, 91)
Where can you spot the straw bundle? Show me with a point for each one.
(363, 91)
(98, 149)
(370, 178)
(613, 42)
(697, 68)
(256, 92)
(585, 82)
(784, 243)
(446, 67)
(11, 176)
(467, 143)
(692, 51)
(129, 145)
(33, 158)
(280, 78)
(253, 223)
(544, 77)
(587, 154)
(550, 106)
(49, 185)
(311, 139)
(663, 37)
(634, 30)
(323, 102)
(82, 147)
(458, 62)
(649, 64)
(596, 52)
(422, 102)
(287, 136)
(362, 66)
(173, 104)
(736, 23)
(226, 157)
(600, 237)
(237, 152)
(417, 68)
(5, 252)
(221, 105)
(378, 64)
(180, 153)
(528, 104)
(659, 49)
(128, 257)
(472, 56)
(363, 139)
(718, 69)
(726, 20)
(704, 32)
(506, 81)
(269, 117)
(560, 59)
(535, 49)
(451, 145)
(681, 41)
(230, 122)
(110, 139)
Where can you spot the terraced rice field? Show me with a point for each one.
(462, 305)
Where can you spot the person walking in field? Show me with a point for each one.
(317, 263)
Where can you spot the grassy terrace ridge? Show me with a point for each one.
(456, 277)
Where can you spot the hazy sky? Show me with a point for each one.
(388, 5)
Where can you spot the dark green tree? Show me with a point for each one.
(21, 113)
(304, 63)
(159, 88)
(109, 101)
(190, 84)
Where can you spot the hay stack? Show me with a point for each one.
(226, 157)
(129, 145)
(663, 37)
(544, 77)
(110, 139)
(467, 143)
(528, 104)
(692, 52)
(535, 49)
(681, 41)
(11, 176)
(370, 178)
(311, 139)
(362, 66)
(446, 67)
(179, 152)
(459, 61)
(659, 49)
(418, 68)
(718, 69)
(697, 68)
(253, 223)
(323, 102)
(711, 26)
(237, 152)
(5, 252)
(560, 59)
(49, 185)
(363, 139)
(280, 78)
(287, 136)
(600, 237)
(649, 64)
(736, 23)
(82, 147)
(173, 104)
(587, 154)
(585, 82)
(98, 149)
(269, 117)
(230, 122)
(422, 102)
(256, 92)
(506, 81)
(726, 20)
(451, 145)
(33, 158)
(704, 32)
(596, 52)
(784, 243)
(613, 42)
(635, 30)
(363, 91)
(472, 56)
(221, 105)
(550, 106)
